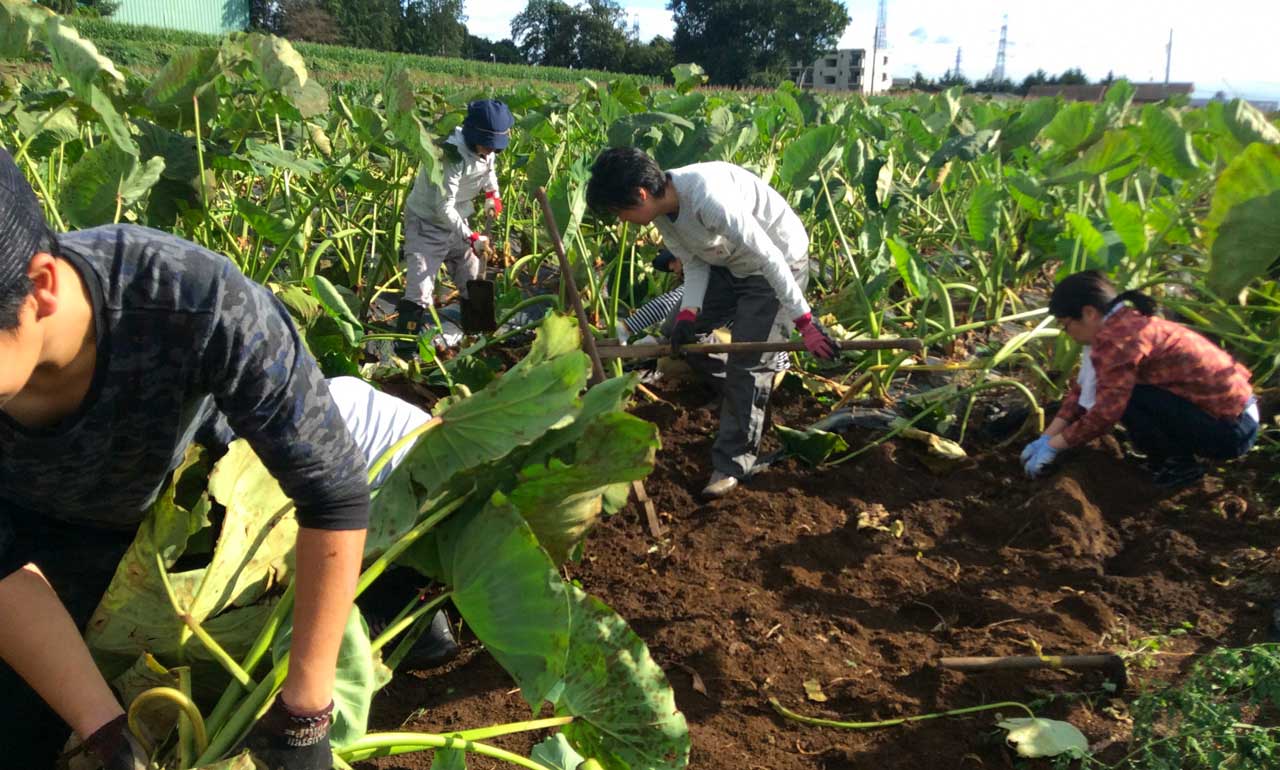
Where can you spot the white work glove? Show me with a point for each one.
(479, 245)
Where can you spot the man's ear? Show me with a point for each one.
(43, 272)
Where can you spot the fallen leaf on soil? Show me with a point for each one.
(698, 684)
(1045, 737)
(938, 446)
(874, 517)
(814, 691)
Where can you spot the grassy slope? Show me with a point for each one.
(147, 48)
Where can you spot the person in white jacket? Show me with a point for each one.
(746, 263)
(436, 231)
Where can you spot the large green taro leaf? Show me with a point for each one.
(481, 442)
(510, 594)
(513, 411)
(104, 179)
(624, 708)
(1244, 220)
(251, 557)
(561, 502)
(802, 157)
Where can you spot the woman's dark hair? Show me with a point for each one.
(617, 176)
(1091, 289)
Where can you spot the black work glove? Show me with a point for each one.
(683, 332)
(285, 739)
(116, 747)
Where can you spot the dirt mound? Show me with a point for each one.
(1061, 521)
(859, 576)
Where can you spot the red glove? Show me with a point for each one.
(495, 202)
(816, 339)
(683, 332)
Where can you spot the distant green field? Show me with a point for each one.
(147, 48)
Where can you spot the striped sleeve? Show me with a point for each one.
(655, 311)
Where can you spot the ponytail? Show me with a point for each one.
(1143, 303)
(1091, 289)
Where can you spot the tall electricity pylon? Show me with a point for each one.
(997, 74)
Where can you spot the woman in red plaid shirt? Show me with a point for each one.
(1177, 394)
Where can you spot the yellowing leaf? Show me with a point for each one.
(814, 691)
(1045, 737)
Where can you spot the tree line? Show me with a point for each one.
(738, 42)
(1073, 76)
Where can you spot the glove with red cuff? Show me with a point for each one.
(683, 332)
(493, 201)
(479, 244)
(816, 339)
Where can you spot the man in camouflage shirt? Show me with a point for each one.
(118, 345)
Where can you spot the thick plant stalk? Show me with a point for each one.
(177, 698)
(778, 707)
(393, 744)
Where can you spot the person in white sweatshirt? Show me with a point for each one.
(746, 263)
(436, 231)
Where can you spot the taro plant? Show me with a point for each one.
(499, 489)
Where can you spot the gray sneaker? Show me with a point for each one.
(720, 485)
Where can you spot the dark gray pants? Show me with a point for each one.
(753, 312)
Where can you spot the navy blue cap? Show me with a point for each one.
(488, 123)
(23, 229)
(663, 261)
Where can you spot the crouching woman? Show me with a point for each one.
(1179, 396)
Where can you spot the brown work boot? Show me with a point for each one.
(720, 485)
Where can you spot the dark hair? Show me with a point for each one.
(1091, 289)
(12, 295)
(618, 175)
(15, 291)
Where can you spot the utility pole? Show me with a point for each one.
(997, 74)
(1168, 57)
(881, 41)
(956, 73)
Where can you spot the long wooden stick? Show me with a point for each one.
(1021, 662)
(658, 350)
(571, 288)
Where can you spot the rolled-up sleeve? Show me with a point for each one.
(274, 396)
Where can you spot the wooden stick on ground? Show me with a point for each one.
(650, 510)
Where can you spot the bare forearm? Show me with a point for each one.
(40, 641)
(328, 565)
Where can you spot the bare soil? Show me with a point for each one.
(748, 597)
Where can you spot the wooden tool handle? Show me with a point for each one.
(1019, 662)
(571, 288)
(657, 350)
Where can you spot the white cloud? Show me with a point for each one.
(653, 22)
(491, 18)
(1227, 47)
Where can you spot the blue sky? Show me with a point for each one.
(1227, 45)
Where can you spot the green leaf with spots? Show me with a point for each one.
(624, 710)
(509, 593)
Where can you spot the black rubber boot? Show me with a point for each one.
(385, 599)
(409, 316)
